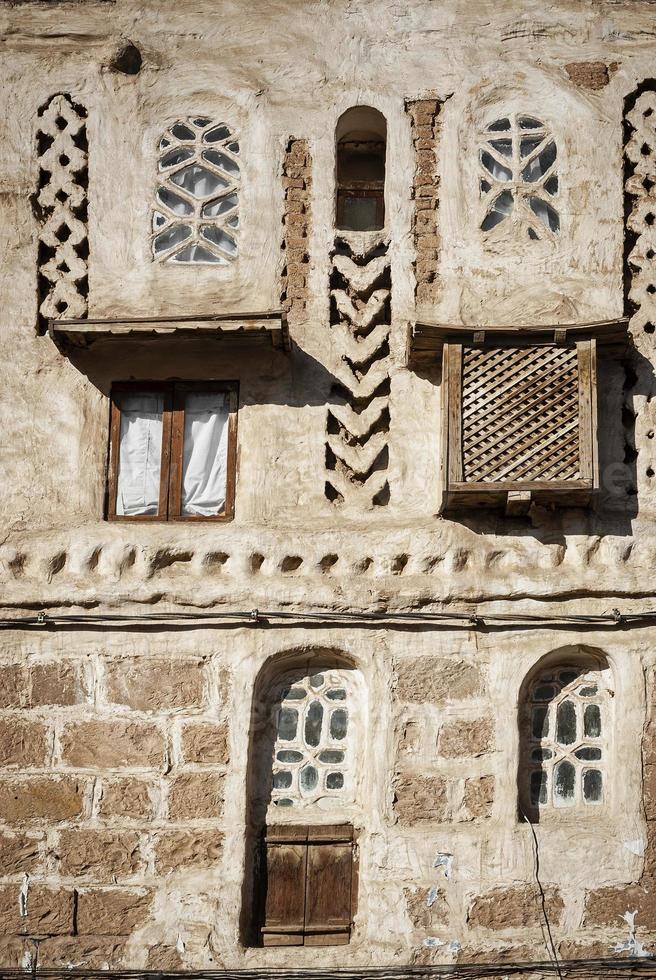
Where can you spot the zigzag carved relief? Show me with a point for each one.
(358, 420)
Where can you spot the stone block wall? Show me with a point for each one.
(124, 801)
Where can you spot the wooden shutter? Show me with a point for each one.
(285, 877)
(329, 886)
(309, 886)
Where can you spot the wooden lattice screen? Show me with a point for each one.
(519, 420)
(520, 414)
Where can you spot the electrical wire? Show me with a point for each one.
(551, 946)
(598, 969)
(255, 617)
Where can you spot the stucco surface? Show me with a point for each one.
(125, 798)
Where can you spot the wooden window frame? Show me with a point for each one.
(170, 488)
(375, 191)
(295, 886)
(460, 493)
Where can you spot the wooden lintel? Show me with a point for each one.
(426, 340)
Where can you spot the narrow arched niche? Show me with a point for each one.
(361, 145)
(565, 736)
(327, 750)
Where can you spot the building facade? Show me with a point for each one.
(328, 487)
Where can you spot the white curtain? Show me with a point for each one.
(205, 453)
(140, 454)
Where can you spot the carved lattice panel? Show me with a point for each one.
(61, 209)
(520, 414)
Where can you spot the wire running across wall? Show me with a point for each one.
(590, 969)
(615, 619)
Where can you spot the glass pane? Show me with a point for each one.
(539, 755)
(282, 779)
(198, 180)
(566, 723)
(547, 215)
(309, 778)
(293, 694)
(588, 692)
(313, 721)
(504, 147)
(528, 122)
(331, 756)
(284, 802)
(538, 787)
(567, 676)
(140, 453)
(201, 121)
(564, 775)
(182, 132)
(205, 453)
(217, 134)
(335, 780)
(540, 164)
(337, 694)
(172, 236)
(214, 208)
(177, 155)
(338, 724)
(592, 721)
(540, 722)
(494, 167)
(288, 755)
(287, 724)
(501, 208)
(196, 253)
(223, 161)
(551, 185)
(360, 214)
(316, 681)
(544, 693)
(588, 754)
(499, 126)
(528, 145)
(592, 786)
(219, 237)
(174, 202)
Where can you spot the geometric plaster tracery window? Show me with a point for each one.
(313, 751)
(567, 739)
(196, 214)
(518, 179)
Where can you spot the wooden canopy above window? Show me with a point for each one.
(519, 410)
(267, 329)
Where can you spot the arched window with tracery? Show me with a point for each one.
(313, 754)
(304, 776)
(518, 177)
(565, 739)
(195, 219)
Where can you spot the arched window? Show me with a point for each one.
(518, 177)
(196, 213)
(565, 738)
(361, 139)
(313, 751)
(303, 784)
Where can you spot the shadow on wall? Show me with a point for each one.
(266, 376)
(621, 383)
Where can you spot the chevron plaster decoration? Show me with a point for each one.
(358, 419)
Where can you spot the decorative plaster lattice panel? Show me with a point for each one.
(61, 209)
